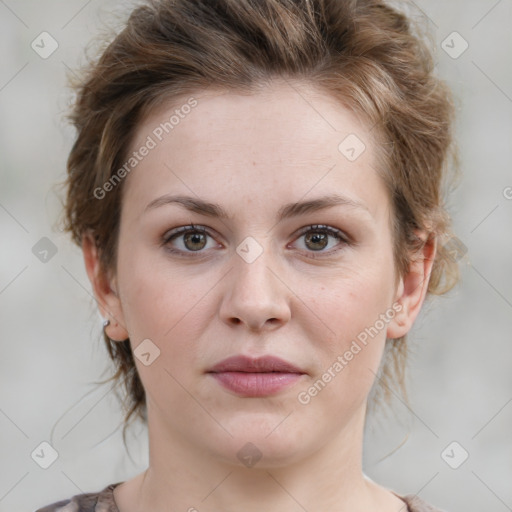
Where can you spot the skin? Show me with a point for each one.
(252, 154)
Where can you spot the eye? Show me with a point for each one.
(192, 239)
(316, 239)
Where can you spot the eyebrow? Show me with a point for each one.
(288, 211)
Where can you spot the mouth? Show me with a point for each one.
(255, 377)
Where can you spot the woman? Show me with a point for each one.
(256, 188)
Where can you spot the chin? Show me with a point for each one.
(264, 441)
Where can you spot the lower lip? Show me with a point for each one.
(256, 384)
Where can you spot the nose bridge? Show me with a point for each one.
(253, 279)
(251, 269)
(254, 293)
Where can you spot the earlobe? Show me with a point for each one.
(104, 288)
(412, 289)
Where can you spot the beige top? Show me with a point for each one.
(103, 501)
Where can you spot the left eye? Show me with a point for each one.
(317, 237)
(195, 239)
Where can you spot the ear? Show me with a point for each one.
(105, 290)
(412, 288)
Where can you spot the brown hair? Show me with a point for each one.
(363, 53)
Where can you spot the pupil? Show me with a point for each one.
(196, 239)
(317, 238)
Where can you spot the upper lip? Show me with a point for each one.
(264, 364)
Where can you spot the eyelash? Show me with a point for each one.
(318, 228)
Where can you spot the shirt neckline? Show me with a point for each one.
(106, 497)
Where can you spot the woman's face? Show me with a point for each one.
(261, 281)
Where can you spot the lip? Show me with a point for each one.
(263, 364)
(255, 377)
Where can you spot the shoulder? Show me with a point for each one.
(101, 501)
(416, 504)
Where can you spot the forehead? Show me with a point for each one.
(286, 138)
(279, 112)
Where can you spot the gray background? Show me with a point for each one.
(461, 378)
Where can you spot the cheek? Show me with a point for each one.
(156, 299)
(357, 310)
(162, 306)
(352, 301)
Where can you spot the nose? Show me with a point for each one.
(255, 294)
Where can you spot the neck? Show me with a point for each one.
(182, 477)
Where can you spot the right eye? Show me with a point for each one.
(191, 239)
